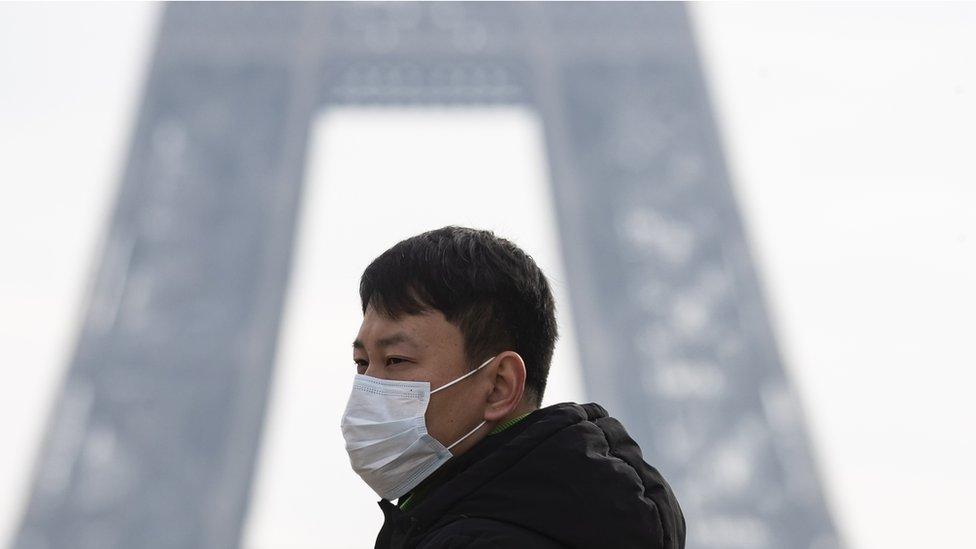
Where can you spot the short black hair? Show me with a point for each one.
(485, 285)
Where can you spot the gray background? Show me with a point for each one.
(153, 441)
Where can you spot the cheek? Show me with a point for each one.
(436, 419)
(439, 410)
(443, 415)
(452, 415)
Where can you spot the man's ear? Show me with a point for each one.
(509, 386)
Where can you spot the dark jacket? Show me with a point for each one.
(567, 475)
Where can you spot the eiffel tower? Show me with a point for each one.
(153, 440)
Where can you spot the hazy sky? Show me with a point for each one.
(849, 133)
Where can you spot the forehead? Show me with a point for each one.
(428, 331)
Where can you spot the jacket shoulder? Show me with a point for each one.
(482, 533)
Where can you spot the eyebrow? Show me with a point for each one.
(398, 337)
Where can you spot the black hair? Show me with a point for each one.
(485, 285)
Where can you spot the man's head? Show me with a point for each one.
(448, 300)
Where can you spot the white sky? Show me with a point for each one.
(848, 128)
(70, 83)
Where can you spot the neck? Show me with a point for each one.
(523, 408)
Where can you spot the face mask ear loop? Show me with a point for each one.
(471, 373)
(467, 435)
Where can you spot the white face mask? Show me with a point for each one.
(386, 435)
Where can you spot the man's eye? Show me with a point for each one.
(394, 358)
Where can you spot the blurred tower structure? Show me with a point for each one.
(154, 439)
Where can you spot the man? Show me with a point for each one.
(452, 358)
